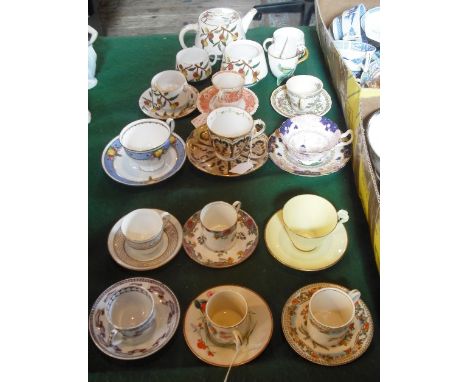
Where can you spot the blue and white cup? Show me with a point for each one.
(351, 23)
(146, 141)
(356, 55)
(130, 311)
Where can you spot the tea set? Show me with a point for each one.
(357, 38)
(230, 325)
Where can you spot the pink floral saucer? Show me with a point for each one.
(256, 341)
(246, 242)
(206, 100)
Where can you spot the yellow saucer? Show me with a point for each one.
(281, 248)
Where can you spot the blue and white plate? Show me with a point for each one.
(370, 24)
(119, 167)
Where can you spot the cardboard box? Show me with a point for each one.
(357, 104)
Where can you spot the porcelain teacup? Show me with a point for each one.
(145, 142)
(194, 63)
(291, 34)
(219, 225)
(281, 67)
(310, 219)
(230, 86)
(331, 311)
(170, 90)
(143, 228)
(351, 22)
(130, 311)
(227, 318)
(356, 55)
(231, 129)
(302, 91)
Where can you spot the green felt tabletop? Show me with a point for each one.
(125, 68)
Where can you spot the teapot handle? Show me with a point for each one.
(184, 30)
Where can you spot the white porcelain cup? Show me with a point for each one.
(281, 68)
(130, 311)
(302, 90)
(292, 34)
(143, 228)
(146, 141)
(310, 219)
(227, 318)
(351, 22)
(331, 311)
(170, 90)
(219, 224)
(356, 55)
(231, 130)
(230, 86)
(195, 64)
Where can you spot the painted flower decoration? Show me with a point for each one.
(201, 344)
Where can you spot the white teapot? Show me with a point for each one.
(216, 28)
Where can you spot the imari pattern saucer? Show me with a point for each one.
(279, 155)
(201, 154)
(353, 345)
(257, 339)
(206, 101)
(280, 102)
(245, 244)
(133, 259)
(120, 167)
(155, 338)
(149, 106)
(282, 249)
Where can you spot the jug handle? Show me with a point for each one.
(94, 34)
(184, 30)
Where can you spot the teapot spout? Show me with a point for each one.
(247, 19)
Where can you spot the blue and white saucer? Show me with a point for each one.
(120, 167)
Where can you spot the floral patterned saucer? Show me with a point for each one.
(201, 154)
(282, 249)
(148, 105)
(278, 154)
(280, 102)
(199, 342)
(206, 101)
(246, 242)
(154, 339)
(119, 167)
(353, 345)
(127, 257)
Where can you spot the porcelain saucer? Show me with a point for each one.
(201, 154)
(129, 258)
(155, 338)
(246, 242)
(206, 101)
(278, 154)
(205, 349)
(151, 109)
(119, 166)
(353, 345)
(282, 249)
(280, 102)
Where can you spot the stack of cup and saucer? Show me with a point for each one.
(134, 318)
(170, 96)
(228, 89)
(309, 145)
(307, 234)
(221, 235)
(146, 152)
(303, 94)
(145, 239)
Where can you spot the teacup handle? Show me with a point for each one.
(268, 40)
(165, 216)
(215, 59)
(184, 30)
(237, 205)
(346, 135)
(305, 56)
(171, 123)
(113, 333)
(258, 122)
(343, 216)
(355, 295)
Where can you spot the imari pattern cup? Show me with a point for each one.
(331, 311)
(219, 225)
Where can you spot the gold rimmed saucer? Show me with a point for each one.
(205, 349)
(201, 154)
(282, 249)
(151, 109)
(353, 345)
